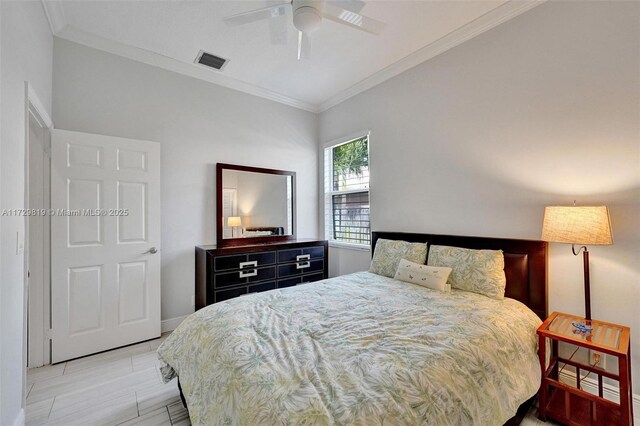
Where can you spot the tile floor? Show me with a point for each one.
(119, 387)
(122, 386)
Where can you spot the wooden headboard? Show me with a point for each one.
(525, 262)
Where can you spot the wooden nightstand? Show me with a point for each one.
(571, 405)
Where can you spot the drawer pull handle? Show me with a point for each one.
(303, 265)
(251, 264)
(251, 273)
(303, 257)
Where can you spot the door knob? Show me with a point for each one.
(152, 250)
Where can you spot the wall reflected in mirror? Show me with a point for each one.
(256, 204)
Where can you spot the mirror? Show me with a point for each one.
(254, 205)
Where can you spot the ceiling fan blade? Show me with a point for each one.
(304, 46)
(257, 15)
(354, 6)
(352, 19)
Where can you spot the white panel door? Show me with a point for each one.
(105, 239)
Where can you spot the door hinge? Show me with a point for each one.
(48, 334)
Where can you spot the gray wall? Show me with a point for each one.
(198, 125)
(541, 110)
(26, 52)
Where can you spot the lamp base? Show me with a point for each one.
(587, 284)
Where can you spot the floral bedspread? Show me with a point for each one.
(358, 349)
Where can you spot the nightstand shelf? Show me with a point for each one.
(572, 405)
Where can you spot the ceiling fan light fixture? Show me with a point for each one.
(307, 19)
(308, 16)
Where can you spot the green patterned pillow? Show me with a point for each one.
(388, 254)
(479, 271)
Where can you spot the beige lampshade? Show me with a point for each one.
(234, 221)
(577, 225)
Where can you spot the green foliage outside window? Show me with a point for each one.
(350, 158)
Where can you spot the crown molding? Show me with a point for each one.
(489, 20)
(189, 69)
(36, 107)
(55, 15)
(59, 27)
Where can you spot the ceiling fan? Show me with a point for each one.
(307, 17)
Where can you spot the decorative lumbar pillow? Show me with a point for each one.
(479, 271)
(388, 254)
(433, 277)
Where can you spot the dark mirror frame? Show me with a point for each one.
(228, 242)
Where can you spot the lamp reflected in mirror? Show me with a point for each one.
(235, 222)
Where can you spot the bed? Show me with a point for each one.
(367, 349)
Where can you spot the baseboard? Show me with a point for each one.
(171, 323)
(19, 418)
(609, 392)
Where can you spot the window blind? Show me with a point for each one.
(351, 217)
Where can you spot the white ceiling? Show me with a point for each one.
(343, 60)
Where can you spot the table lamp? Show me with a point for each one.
(580, 225)
(234, 221)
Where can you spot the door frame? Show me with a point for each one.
(37, 352)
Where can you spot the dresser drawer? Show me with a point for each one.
(243, 276)
(304, 279)
(306, 253)
(257, 288)
(229, 294)
(221, 295)
(243, 261)
(300, 268)
(289, 282)
(312, 277)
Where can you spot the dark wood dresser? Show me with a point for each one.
(224, 273)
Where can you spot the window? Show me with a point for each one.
(346, 189)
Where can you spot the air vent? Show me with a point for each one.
(211, 61)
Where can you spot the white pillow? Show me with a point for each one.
(432, 277)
